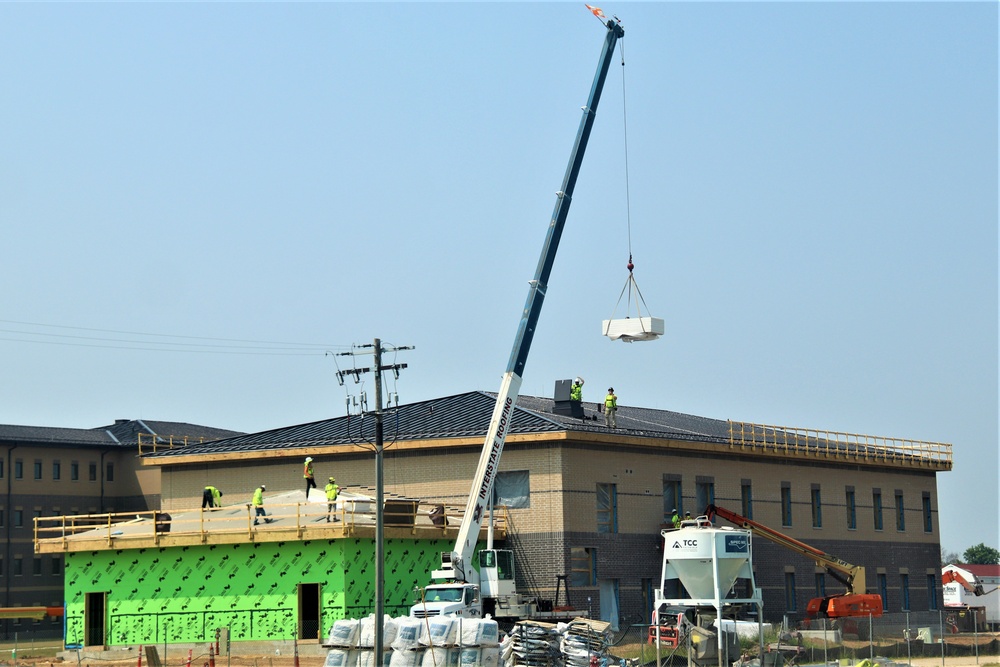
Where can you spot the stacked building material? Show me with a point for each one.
(583, 639)
(532, 644)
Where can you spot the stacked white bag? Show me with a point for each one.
(406, 648)
(479, 639)
(366, 641)
(344, 633)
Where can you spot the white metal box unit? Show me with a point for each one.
(633, 329)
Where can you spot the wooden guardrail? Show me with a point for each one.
(837, 444)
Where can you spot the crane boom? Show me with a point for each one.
(854, 602)
(482, 484)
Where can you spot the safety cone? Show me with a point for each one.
(211, 654)
(139, 663)
(189, 658)
(295, 645)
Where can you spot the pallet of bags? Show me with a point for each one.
(344, 633)
(412, 657)
(478, 632)
(341, 657)
(533, 643)
(478, 656)
(366, 634)
(366, 658)
(439, 656)
(440, 631)
(583, 639)
(407, 634)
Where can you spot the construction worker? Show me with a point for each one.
(332, 491)
(258, 505)
(610, 408)
(210, 498)
(307, 473)
(675, 519)
(576, 391)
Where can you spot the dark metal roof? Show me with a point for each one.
(462, 415)
(123, 433)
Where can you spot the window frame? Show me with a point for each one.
(877, 510)
(816, 502)
(746, 498)
(606, 502)
(786, 504)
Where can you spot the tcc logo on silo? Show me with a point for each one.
(687, 544)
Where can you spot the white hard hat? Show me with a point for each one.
(579, 380)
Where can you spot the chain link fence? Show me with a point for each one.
(899, 637)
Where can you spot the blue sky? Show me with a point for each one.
(812, 199)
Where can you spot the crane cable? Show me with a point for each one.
(630, 283)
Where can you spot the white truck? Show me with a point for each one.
(465, 588)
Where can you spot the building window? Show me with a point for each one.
(817, 507)
(904, 590)
(36, 566)
(74, 471)
(877, 508)
(928, 515)
(672, 496)
(56, 470)
(110, 472)
(583, 564)
(38, 469)
(786, 504)
(883, 588)
(704, 493)
(1, 517)
(1, 468)
(18, 518)
(93, 472)
(820, 585)
(18, 568)
(56, 565)
(852, 512)
(512, 489)
(790, 604)
(18, 469)
(932, 592)
(607, 508)
(746, 498)
(1, 566)
(900, 516)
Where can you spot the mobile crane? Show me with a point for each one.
(462, 594)
(854, 602)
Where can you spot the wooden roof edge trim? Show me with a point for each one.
(327, 450)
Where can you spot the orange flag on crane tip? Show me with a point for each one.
(596, 11)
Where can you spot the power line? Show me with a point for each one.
(158, 342)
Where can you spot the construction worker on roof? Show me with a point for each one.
(307, 474)
(258, 505)
(576, 391)
(610, 408)
(332, 491)
(210, 498)
(675, 519)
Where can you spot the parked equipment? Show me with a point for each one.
(854, 602)
(466, 588)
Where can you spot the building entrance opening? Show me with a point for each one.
(93, 618)
(309, 611)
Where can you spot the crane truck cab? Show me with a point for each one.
(491, 590)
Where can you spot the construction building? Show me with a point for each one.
(582, 504)
(48, 472)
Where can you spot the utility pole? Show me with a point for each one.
(379, 447)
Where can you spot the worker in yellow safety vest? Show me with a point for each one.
(610, 408)
(332, 491)
(576, 391)
(307, 474)
(210, 498)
